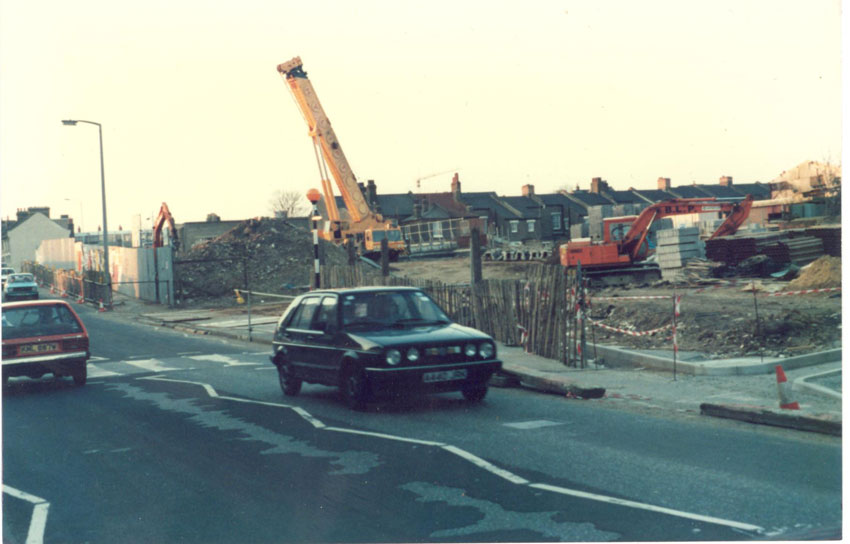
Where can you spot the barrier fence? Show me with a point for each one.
(547, 314)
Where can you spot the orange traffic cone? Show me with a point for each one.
(101, 309)
(785, 401)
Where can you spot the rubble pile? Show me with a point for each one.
(271, 254)
(824, 272)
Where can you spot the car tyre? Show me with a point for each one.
(80, 376)
(474, 392)
(353, 388)
(289, 384)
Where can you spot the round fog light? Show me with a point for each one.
(412, 355)
(487, 350)
(393, 357)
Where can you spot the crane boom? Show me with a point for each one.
(325, 140)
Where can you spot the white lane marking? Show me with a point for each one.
(651, 508)
(475, 460)
(151, 365)
(387, 436)
(536, 424)
(95, 358)
(38, 521)
(94, 371)
(486, 465)
(218, 358)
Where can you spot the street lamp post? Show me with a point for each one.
(107, 276)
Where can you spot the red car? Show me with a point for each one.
(44, 337)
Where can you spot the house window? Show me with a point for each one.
(514, 227)
(437, 229)
(556, 221)
(530, 224)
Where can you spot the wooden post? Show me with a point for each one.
(385, 257)
(475, 255)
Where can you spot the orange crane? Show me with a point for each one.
(620, 257)
(360, 225)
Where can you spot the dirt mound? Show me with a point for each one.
(824, 272)
(271, 254)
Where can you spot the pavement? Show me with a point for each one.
(744, 388)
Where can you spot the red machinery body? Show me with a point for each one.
(616, 251)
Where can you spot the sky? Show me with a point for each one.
(506, 93)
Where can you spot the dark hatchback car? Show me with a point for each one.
(44, 337)
(380, 342)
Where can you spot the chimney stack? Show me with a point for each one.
(456, 186)
(528, 190)
(726, 181)
(598, 185)
(663, 184)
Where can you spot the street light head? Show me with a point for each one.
(69, 122)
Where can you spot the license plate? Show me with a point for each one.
(444, 375)
(28, 349)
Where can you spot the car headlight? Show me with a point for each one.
(412, 355)
(487, 350)
(393, 357)
(470, 350)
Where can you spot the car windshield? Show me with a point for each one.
(20, 278)
(387, 309)
(39, 320)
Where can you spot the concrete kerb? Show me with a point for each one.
(613, 356)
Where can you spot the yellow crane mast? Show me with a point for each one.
(362, 225)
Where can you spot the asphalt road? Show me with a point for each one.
(185, 438)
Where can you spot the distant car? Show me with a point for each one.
(43, 337)
(379, 342)
(6, 273)
(20, 287)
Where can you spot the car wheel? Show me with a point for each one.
(353, 388)
(289, 384)
(474, 392)
(80, 376)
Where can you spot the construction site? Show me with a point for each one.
(721, 269)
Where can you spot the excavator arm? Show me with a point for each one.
(633, 242)
(162, 218)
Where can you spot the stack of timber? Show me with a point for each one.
(790, 246)
(830, 235)
(675, 248)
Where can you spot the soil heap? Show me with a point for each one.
(276, 255)
(824, 272)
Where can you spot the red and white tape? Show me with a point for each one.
(645, 297)
(625, 331)
(804, 292)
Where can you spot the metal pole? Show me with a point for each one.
(105, 229)
(675, 340)
(758, 323)
(317, 278)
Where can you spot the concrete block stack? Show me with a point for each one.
(675, 248)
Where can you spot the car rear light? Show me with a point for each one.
(75, 344)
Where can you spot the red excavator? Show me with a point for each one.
(161, 219)
(620, 259)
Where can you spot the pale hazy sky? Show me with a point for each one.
(551, 93)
